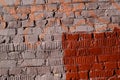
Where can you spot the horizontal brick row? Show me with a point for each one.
(30, 46)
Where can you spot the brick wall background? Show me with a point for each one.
(31, 38)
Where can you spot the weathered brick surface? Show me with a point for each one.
(95, 57)
(31, 39)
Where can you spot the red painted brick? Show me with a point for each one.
(99, 35)
(69, 52)
(72, 76)
(110, 34)
(83, 75)
(82, 52)
(68, 60)
(119, 65)
(84, 43)
(110, 65)
(99, 42)
(95, 51)
(108, 57)
(72, 37)
(85, 60)
(84, 67)
(71, 68)
(85, 36)
(97, 66)
(118, 72)
(110, 42)
(101, 73)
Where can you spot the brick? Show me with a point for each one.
(84, 67)
(43, 70)
(69, 53)
(57, 69)
(37, 8)
(32, 62)
(85, 36)
(99, 35)
(108, 57)
(73, 76)
(110, 65)
(14, 55)
(23, 9)
(82, 52)
(54, 61)
(11, 2)
(42, 55)
(8, 64)
(51, 7)
(28, 54)
(40, 1)
(97, 66)
(110, 34)
(95, 51)
(31, 38)
(27, 2)
(101, 73)
(15, 71)
(84, 43)
(18, 39)
(78, 6)
(74, 37)
(8, 32)
(115, 19)
(56, 54)
(3, 71)
(8, 17)
(83, 75)
(68, 60)
(13, 24)
(71, 68)
(91, 5)
(27, 23)
(110, 42)
(67, 22)
(31, 70)
(85, 60)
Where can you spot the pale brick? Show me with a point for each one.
(40, 1)
(27, 23)
(54, 61)
(28, 54)
(32, 62)
(31, 38)
(7, 32)
(14, 71)
(27, 2)
(43, 70)
(13, 55)
(3, 71)
(7, 63)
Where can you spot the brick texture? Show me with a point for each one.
(32, 46)
(91, 59)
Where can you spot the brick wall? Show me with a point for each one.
(31, 37)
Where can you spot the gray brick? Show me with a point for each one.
(8, 64)
(27, 2)
(40, 1)
(32, 62)
(7, 32)
(28, 54)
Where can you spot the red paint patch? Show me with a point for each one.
(92, 55)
